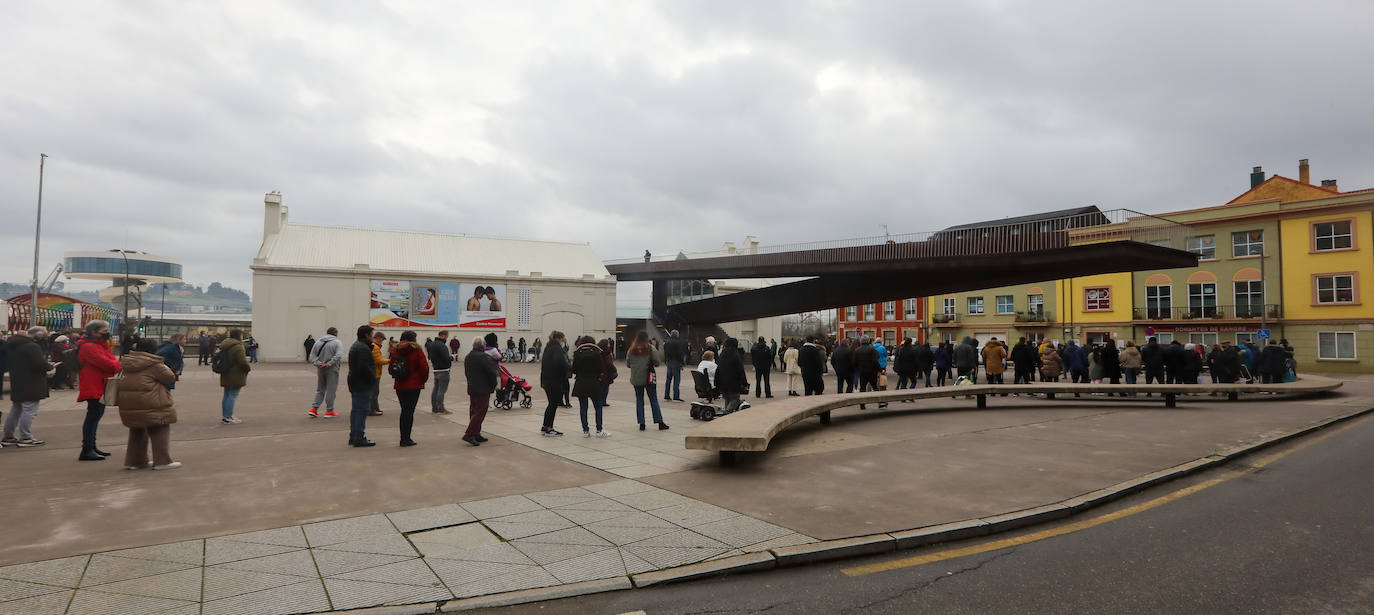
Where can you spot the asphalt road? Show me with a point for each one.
(1295, 536)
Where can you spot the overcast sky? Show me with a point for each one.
(652, 125)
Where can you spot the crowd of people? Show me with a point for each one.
(140, 375)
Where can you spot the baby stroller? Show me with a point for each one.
(707, 409)
(512, 390)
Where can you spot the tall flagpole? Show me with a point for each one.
(37, 233)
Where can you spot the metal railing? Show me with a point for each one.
(1203, 312)
(993, 237)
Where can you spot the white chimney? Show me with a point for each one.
(751, 244)
(274, 218)
(729, 247)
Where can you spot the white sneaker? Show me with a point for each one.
(586, 434)
(603, 434)
(233, 420)
(171, 466)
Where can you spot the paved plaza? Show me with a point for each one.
(278, 515)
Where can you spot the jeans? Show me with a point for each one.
(994, 378)
(582, 402)
(867, 382)
(1130, 373)
(652, 390)
(1022, 376)
(903, 382)
(1153, 376)
(732, 402)
(94, 411)
(844, 382)
(762, 382)
(672, 381)
(942, 374)
(1079, 376)
(357, 414)
(159, 436)
(605, 394)
(326, 386)
(477, 412)
(554, 394)
(436, 395)
(21, 417)
(408, 400)
(813, 384)
(374, 398)
(226, 403)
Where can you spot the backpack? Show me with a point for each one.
(399, 368)
(219, 361)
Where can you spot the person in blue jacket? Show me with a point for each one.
(170, 351)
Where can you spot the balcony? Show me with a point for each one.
(1034, 316)
(944, 319)
(1209, 312)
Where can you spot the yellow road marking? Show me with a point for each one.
(1079, 525)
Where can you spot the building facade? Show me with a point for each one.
(1286, 257)
(891, 321)
(308, 278)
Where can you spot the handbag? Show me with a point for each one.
(882, 381)
(111, 395)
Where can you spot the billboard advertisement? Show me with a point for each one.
(399, 303)
(484, 306)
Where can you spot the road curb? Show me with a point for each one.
(538, 595)
(410, 609)
(834, 549)
(748, 562)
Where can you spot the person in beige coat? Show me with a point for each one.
(789, 359)
(145, 407)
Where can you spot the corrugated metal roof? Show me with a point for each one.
(334, 247)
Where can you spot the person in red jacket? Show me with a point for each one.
(97, 365)
(408, 388)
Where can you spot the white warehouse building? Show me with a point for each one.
(307, 278)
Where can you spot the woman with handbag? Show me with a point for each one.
(145, 407)
(98, 367)
(642, 359)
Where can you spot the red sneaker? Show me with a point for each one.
(330, 414)
(313, 413)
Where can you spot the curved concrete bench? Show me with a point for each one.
(754, 429)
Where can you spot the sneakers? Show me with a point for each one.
(314, 414)
(481, 439)
(171, 466)
(29, 442)
(443, 411)
(375, 413)
(550, 433)
(587, 434)
(662, 426)
(603, 434)
(330, 414)
(408, 443)
(233, 420)
(471, 440)
(9, 440)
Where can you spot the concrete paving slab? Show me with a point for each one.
(47, 604)
(333, 563)
(92, 602)
(304, 597)
(430, 517)
(602, 564)
(184, 585)
(298, 563)
(227, 583)
(222, 551)
(351, 594)
(64, 572)
(15, 590)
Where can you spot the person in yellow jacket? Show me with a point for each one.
(378, 339)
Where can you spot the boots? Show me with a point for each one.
(88, 454)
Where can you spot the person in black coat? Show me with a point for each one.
(440, 364)
(4, 367)
(1152, 357)
(1023, 358)
(29, 369)
(811, 360)
(674, 355)
(1272, 362)
(1175, 362)
(362, 379)
(925, 361)
(843, 362)
(866, 365)
(730, 377)
(483, 376)
(554, 373)
(906, 364)
(762, 358)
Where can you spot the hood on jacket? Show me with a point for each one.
(400, 346)
(138, 361)
(229, 342)
(967, 340)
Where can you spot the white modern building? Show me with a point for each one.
(307, 278)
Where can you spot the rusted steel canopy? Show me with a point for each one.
(854, 283)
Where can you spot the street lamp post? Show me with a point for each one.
(162, 325)
(37, 235)
(125, 316)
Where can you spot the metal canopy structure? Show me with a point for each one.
(1025, 249)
